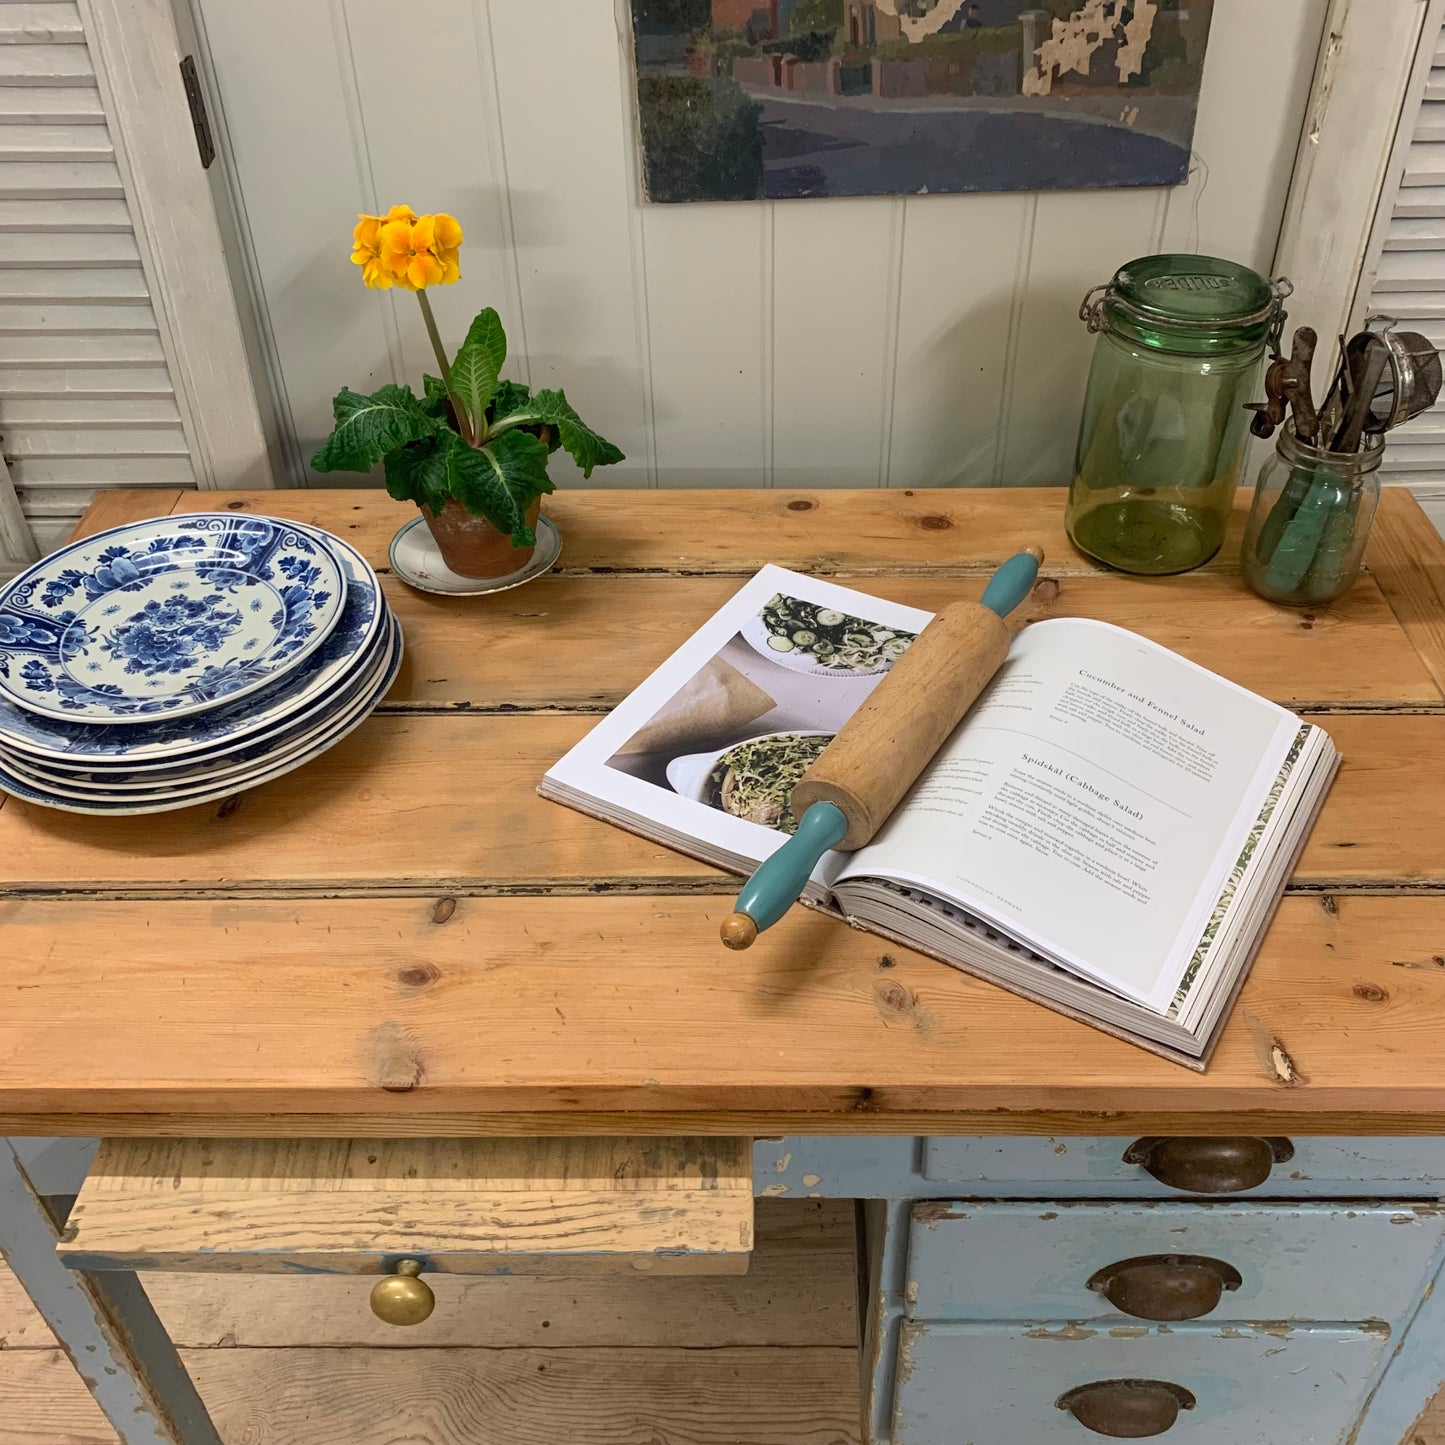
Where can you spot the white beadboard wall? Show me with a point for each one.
(85, 393)
(875, 342)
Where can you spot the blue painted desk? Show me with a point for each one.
(403, 941)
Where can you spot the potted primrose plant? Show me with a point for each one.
(472, 450)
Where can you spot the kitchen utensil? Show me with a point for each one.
(1333, 404)
(1301, 400)
(1287, 385)
(1366, 357)
(1411, 382)
(861, 776)
(1270, 413)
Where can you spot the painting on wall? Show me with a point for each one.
(779, 99)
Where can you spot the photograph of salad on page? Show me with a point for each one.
(741, 731)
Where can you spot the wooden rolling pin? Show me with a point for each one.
(861, 776)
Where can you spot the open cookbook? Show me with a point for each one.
(1107, 832)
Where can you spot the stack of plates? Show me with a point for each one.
(176, 661)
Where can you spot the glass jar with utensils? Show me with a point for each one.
(1310, 519)
(1315, 497)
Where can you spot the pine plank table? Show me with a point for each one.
(403, 940)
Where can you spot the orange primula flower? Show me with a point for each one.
(421, 251)
(366, 245)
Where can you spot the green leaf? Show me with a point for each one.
(551, 408)
(473, 380)
(368, 427)
(510, 396)
(422, 472)
(434, 401)
(511, 407)
(475, 372)
(486, 333)
(501, 480)
(589, 449)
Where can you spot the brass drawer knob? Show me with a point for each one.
(1165, 1286)
(1126, 1409)
(403, 1298)
(1209, 1166)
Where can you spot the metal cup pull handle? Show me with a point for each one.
(1126, 1409)
(1209, 1165)
(1165, 1287)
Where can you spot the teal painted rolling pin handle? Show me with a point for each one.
(861, 776)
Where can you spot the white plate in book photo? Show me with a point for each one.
(689, 774)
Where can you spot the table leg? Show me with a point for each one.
(885, 1234)
(104, 1322)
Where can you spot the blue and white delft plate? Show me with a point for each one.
(168, 800)
(166, 618)
(296, 735)
(170, 739)
(233, 776)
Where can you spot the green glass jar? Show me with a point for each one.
(1164, 428)
(1310, 519)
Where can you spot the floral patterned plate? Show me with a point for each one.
(166, 618)
(134, 745)
(208, 778)
(165, 801)
(266, 748)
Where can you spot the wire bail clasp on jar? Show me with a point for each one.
(1091, 308)
(1283, 289)
(1091, 311)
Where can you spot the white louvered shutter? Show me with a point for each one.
(1410, 284)
(86, 399)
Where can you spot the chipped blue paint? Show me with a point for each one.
(1378, 1255)
(1018, 1167)
(1071, 1167)
(883, 1306)
(837, 1167)
(1414, 1372)
(108, 1263)
(55, 1166)
(1370, 1252)
(220, 1260)
(984, 1383)
(1012, 1260)
(104, 1323)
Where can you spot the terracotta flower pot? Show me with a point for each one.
(472, 547)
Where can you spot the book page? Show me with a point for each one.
(1091, 803)
(705, 751)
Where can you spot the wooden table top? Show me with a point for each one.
(402, 938)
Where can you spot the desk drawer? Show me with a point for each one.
(1035, 1261)
(882, 1166)
(460, 1206)
(992, 1385)
(1059, 1168)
